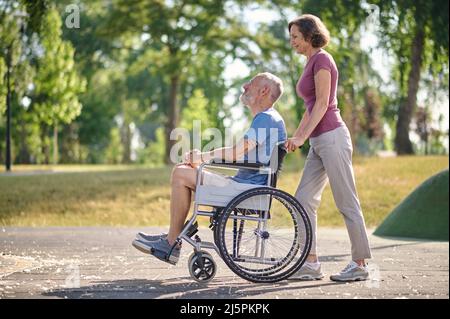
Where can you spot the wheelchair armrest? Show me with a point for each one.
(223, 163)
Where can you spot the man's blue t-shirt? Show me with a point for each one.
(267, 130)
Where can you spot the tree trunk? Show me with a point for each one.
(24, 155)
(355, 125)
(173, 115)
(55, 144)
(426, 130)
(45, 145)
(403, 144)
(126, 141)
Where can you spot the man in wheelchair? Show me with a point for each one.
(267, 129)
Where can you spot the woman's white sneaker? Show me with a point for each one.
(309, 271)
(352, 272)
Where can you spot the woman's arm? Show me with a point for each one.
(301, 126)
(323, 86)
(309, 122)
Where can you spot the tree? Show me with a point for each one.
(423, 129)
(114, 152)
(430, 132)
(18, 21)
(176, 32)
(410, 29)
(44, 81)
(96, 62)
(57, 83)
(372, 124)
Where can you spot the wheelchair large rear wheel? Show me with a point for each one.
(264, 235)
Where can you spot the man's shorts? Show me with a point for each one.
(216, 179)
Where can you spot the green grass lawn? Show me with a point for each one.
(140, 196)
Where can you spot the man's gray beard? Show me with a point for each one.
(244, 99)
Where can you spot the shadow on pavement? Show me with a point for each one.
(347, 257)
(230, 287)
(184, 288)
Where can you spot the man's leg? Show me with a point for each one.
(183, 181)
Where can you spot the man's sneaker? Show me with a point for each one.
(352, 272)
(309, 271)
(159, 248)
(146, 237)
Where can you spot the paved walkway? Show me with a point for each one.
(100, 263)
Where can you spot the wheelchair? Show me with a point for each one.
(262, 234)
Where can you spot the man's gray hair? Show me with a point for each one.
(275, 84)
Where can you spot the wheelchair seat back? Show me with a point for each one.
(276, 162)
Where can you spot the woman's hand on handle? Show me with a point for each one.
(294, 143)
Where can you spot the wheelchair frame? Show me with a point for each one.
(198, 245)
(199, 257)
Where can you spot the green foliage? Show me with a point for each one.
(179, 35)
(196, 110)
(399, 19)
(11, 46)
(57, 81)
(114, 152)
(95, 60)
(154, 152)
(403, 25)
(99, 108)
(2, 86)
(155, 65)
(209, 80)
(42, 71)
(36, 9)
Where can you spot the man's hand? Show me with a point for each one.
(294, 143)
(193, 157)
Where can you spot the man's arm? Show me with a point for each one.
(231, 153)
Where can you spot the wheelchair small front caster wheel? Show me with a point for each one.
(202, 266)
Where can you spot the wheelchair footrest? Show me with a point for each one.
(164, 256)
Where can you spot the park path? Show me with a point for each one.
(99, 262)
